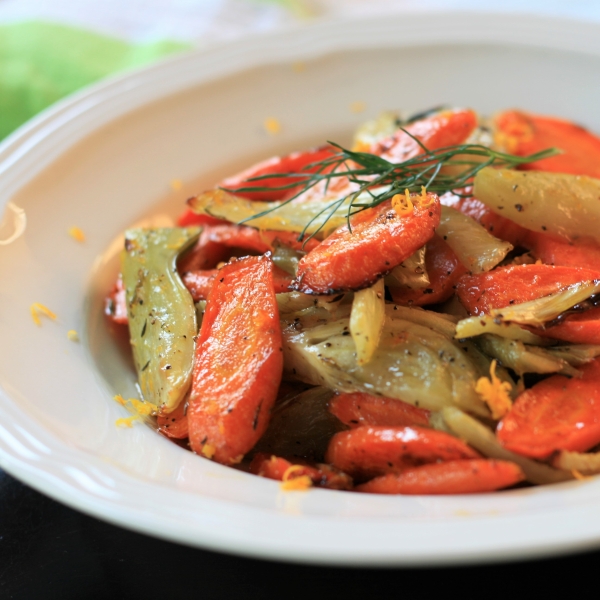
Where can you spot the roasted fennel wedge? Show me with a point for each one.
(413, 362)
(162, 315)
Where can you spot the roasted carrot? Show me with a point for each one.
(553, 250)
(555, 414)
(281, 469)
(578, 328)
(115, 305)
(444, 270)
(175, 424)
(357, 408)
(380, 238)
(452, 477)
(199, 283)
(523, 133)
(498, 226)
(216, 243)
(367, 452)
(516, 284)
(189, 218)
(238, 362)
(445, 128)
(297, 162)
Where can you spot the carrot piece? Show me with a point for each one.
(200, 282)
(445, 128)
(281, 469)
(367, 452)
(358, 408)
(381, 238)
(238, 362)
(215, 245)
(115, 304)
(453, 477)
(555, 414)
(189, 218)
(516, 284)
(553, 250)
(444, 270)
(523, 133)
(498, 226)
(175, 424)
(297, 162)
(579, 328)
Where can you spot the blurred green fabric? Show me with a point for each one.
(42, 62)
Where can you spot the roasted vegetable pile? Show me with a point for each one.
(416, 315)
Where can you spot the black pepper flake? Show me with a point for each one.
(519, 207)
(345, 333)
(515, 187)
(144, 328)
(544, 228)
(145, 366)
(428, 291)
(167, 367)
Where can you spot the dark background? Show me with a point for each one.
(49, 551)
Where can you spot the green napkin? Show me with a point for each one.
(43, 62)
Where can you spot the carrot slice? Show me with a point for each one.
(189, 218)
(297, 162)
(516, 284)
(357, 408)
(380, 239)
(579, 328)
(444, 270)
(367, 452)
(281, 469)
(555, 414)
(453, 477)
(445, 128)
(199, 283)
(553, 250)
(115, 305)
(215, 245)
(523, 133)
(238, 362)
(498, 226)
(175, 424)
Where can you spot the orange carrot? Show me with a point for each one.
(555, 414)
(498, 226)
(445, 128)
(281, 469)
(381, 238)
(553, 250)
(444, 270)
(175, 424)
(297, 162)
(578, 328)
(216, 243)
(523, 133)
(189, 218)
(238, 362)
(115, 305)
(453, 477)
(357, 408)
(367, 452)
(199, 283)
(516, 284)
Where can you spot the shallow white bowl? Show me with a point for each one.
(104, 159)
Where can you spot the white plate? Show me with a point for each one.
(104, 158)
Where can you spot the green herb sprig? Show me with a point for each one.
(380, 179)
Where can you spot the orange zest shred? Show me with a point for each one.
(176, 184)
(299, 484)
(357, 107)
(139, 408)
(578, 475)
(126, 421)
(208, 450)
(404, 204)
(495, 393)
(38, 309)
(272, 126)
(77, 234)
(72, 335)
